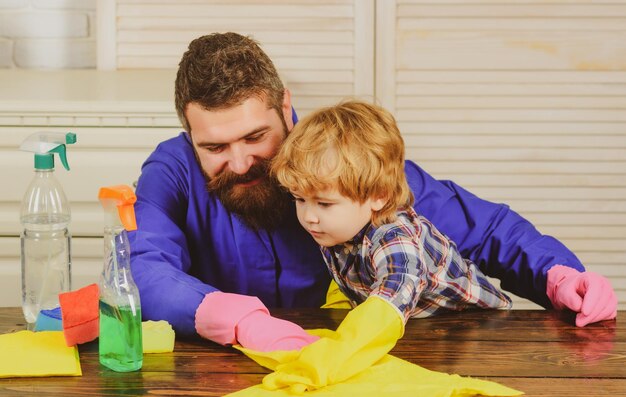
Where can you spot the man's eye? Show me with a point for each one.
(215, 149)
(254, 138)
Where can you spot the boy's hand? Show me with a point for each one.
(588, 294)
(367, 333)
(230, 318)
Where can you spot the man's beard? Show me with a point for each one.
(261, 206)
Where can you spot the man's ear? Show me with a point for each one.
(378, 204)
(287, 109)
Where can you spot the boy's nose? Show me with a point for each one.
(310, 217)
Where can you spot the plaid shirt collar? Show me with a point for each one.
(354, 242)
(342, 257)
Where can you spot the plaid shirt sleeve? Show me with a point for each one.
(420, 271)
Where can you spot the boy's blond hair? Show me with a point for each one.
(354, 147)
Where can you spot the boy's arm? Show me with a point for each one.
(424, 269)
(367, 333)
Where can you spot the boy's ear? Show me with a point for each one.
(378, 204)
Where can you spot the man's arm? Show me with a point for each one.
(171, 184)
(160, 257)
(501, 242)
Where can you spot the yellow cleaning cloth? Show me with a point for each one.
(27, 353)
(390, 376)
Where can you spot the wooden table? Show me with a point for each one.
(539, 352)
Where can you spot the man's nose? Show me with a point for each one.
(240, 159)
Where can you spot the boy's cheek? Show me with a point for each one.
(299, 215)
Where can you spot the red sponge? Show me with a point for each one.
(79, 313)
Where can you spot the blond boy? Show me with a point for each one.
(344, 166)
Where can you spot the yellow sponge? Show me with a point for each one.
(158, 337)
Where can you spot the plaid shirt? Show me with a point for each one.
(413, 266)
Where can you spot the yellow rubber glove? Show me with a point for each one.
(335, 299)
(367, 333)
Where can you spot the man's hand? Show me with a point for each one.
(588, 294)
(262, 332)
(230, 318)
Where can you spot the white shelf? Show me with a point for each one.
(71, 91)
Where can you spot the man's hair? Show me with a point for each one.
(221, 70)
(354, 147)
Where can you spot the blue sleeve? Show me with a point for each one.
(159, 254)
(502, 243)
(294, 116)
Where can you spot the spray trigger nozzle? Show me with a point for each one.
(118, 201)
(45, 144)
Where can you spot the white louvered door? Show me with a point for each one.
(522, 103)
(323, 49)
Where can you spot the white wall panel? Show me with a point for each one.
(520, 102)
(311, 42)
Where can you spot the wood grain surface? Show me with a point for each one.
(539, 352)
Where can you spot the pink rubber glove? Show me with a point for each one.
(588, 294)
(230, 318)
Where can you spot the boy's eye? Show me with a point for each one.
(324, 205)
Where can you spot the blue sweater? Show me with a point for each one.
(187, 244)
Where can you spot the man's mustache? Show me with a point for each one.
(227, 179)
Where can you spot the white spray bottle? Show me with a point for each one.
(45, 239)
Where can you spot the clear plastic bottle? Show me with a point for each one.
(120, 342)
(45, 238)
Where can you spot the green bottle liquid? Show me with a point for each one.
(120, 342)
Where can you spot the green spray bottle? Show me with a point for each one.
(120, 340)
(45, 238)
